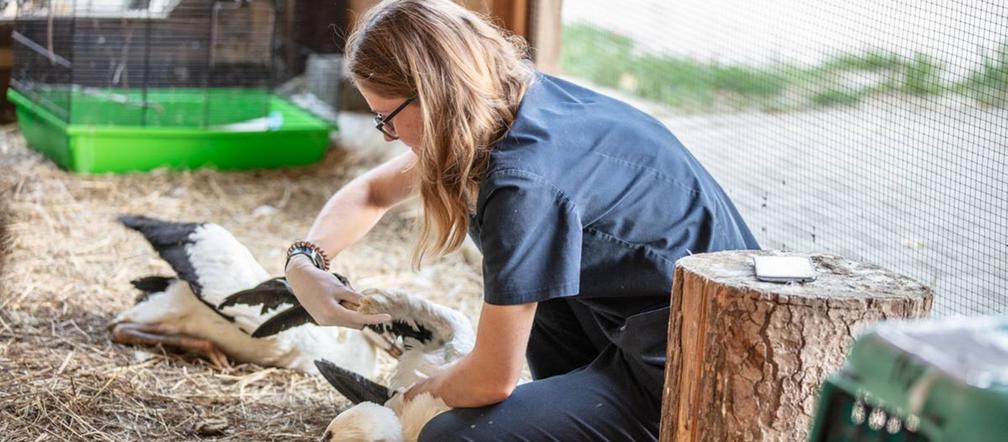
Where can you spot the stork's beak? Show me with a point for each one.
(353, 386)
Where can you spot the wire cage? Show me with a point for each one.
(117, 85)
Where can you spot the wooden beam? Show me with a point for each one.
(512, 15)
(544, 34)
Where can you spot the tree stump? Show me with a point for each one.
(746, 358)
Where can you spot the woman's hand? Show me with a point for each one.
(431, 385)
(490, 373)
(325, 298)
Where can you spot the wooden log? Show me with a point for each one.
(746, 358)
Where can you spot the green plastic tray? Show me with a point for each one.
(104, 135)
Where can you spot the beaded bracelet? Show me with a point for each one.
(315, 253)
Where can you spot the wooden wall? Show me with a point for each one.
(6, 108)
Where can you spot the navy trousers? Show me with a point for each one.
(585, 388)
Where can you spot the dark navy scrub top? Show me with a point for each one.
(588, 197)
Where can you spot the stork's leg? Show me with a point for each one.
(156, 334)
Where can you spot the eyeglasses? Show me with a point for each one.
(384, 124)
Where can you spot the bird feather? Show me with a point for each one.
(287, 319)
(149, 285)
(403, 329)
(354, 387)
(269, 295)
(169, 240)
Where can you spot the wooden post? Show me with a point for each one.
(544, 34)
(746, 358)
(6, 63)
(512, 15)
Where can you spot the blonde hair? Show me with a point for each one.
(468, 77)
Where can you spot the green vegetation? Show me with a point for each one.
(610, 59)
(872, 61)
(989, 85)
(834, 97)
(922, 76)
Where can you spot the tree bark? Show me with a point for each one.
(746, 358)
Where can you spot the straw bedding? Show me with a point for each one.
(67, 272)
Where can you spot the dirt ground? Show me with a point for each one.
(67, 274)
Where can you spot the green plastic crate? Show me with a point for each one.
(936, 380)
(179, 129)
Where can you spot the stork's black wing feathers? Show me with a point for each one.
(270, 295)
(170, 240)
(403, 330)
(354, 387)
(152, 284)
(284, 320)
(149, 285)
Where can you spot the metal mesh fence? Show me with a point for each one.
(874, 130)
(193, 63)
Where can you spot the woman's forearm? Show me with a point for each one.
(354, 209)
(466, 384)
(490, 373)
(346, 217)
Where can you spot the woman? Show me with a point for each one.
(580, 204)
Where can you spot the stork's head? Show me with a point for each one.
(364, 422)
